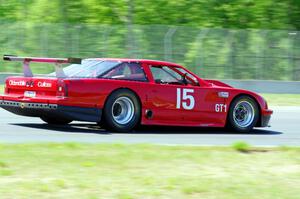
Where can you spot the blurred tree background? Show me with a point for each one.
(236, 14)
(238, 39)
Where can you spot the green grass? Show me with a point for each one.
(272, 99)
(241, 146)
(73, 170)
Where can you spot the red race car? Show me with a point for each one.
(123, 93)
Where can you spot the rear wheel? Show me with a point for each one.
(122, 111)
(57, 121)
(243, 114)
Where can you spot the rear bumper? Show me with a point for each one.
(52, 110)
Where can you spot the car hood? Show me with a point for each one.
(217, 83)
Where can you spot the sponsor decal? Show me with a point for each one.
(44, 84)
(221, 108)
(223, 94)
(29, 84)
(17, 83)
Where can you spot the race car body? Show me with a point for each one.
(122, 93)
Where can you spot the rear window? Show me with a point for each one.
(89, 68)
(126, 71)
(105, 69)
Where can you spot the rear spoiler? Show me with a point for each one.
(57, 61)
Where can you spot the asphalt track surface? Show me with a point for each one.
(284, 131)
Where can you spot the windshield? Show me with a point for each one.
(88, 68)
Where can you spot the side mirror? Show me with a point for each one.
(158, 81)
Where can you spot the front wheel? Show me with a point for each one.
(122, 111)
(243, 114)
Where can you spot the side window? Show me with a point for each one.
(126, 71)
(165, 75)
(162, 76)
(172, 75)
(189, 77)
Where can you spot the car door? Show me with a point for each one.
(165, 96)
(179, 102)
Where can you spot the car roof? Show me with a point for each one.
(148, 61)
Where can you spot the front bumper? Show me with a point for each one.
(52, 110)
(265, 117)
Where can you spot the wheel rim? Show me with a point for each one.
(122, 110)
(243, 114)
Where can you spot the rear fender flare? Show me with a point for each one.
(123, 88)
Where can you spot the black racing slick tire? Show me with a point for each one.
(122, 111)
(56, 121)
(243, 114)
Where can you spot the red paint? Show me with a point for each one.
(160, 98)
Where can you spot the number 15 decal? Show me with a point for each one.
(185, 100)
